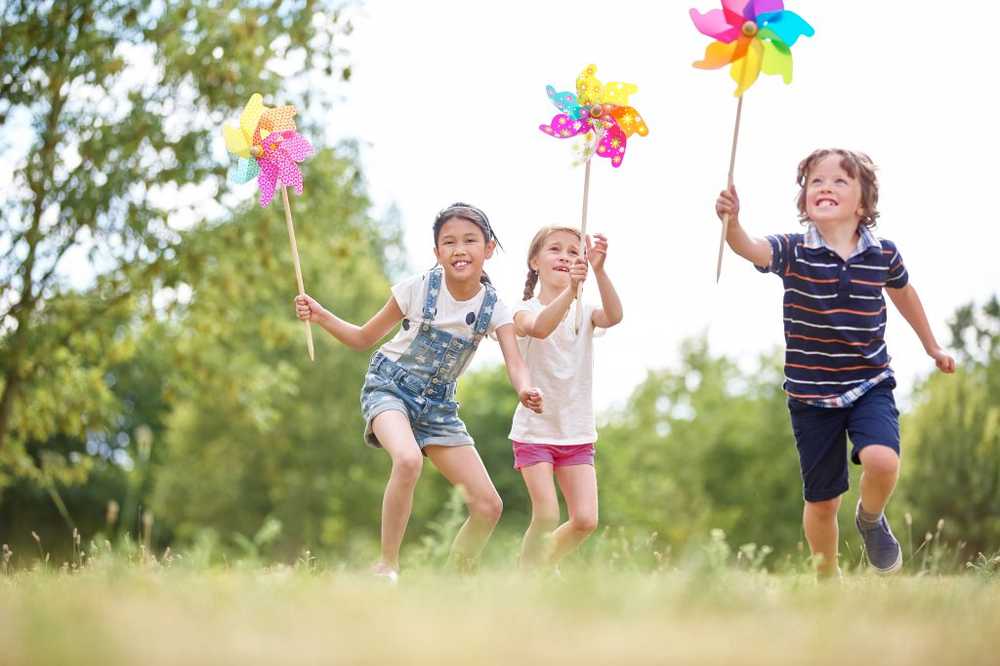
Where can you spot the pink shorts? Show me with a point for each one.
(526, 455)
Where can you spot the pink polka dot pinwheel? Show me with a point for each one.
(268, 147)
(753, 36)
(600, 109)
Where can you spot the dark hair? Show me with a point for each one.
(472, 214)
(858, 166)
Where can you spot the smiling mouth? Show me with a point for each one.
(826, 203)
(461, 263)
(561, 269)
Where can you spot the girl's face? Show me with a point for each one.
(462, 249)
(558, 252)
(831, 194)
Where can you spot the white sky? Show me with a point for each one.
(448, 95)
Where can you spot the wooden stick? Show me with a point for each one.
(732, 166)
(298, 268)
(583, 246)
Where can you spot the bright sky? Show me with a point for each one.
(448, 95)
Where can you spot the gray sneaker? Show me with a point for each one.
(881, 546)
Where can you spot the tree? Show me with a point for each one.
(121, 101)
(951, 439)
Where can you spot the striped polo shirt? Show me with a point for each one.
(834, 314)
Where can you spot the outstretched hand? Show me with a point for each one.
(532, 399)
(597, 251)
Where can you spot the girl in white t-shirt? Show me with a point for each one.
(408, 397)
(560, 442)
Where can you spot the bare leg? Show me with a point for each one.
(464, 468)
(395, 435)
(819, 519)
(579, 486)
(544, 513)
(878, 480)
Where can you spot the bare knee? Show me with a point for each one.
(544, 519)
(488, 509)
(879, 461)
(407, 467)
(824, 509)
(583, 523)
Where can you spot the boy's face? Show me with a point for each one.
(462, 249)
(831, 194)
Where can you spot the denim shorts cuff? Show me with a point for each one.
(386, 406)
(446, 440)
(823, 495)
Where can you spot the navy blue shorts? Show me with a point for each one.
(821, 438)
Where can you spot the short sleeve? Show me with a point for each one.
(501, 315)
(780, 249)
(407, 293)
(897, 277)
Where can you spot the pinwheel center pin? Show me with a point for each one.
(749, 28)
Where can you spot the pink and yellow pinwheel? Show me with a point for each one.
(753, 36)
(597, 109)
(268, 147)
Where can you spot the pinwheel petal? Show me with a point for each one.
(715, 25)
(767, 7)
(617, 93)
(777, 59)
(290, 175)
(630, 121)
(719, 54)
(295, 146)
(565, 101)
(612, 144)
(746, 69)
(236, 142)
(788, 26)
(563, 127)
(280, 119)
(267, 180)
(738, 11)
(589, 89)
(251, 115)
(244, 170)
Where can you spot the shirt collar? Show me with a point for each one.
(813, 240)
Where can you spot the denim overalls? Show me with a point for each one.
(421, 384)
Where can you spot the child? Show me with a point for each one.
(408, 397)
(560, 441)
(837, 373)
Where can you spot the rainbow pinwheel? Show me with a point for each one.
(268, 147)
(753, 36)
(599, 110)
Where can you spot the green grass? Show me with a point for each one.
(116, 610)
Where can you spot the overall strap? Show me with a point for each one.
(485, 314)
(431, 294)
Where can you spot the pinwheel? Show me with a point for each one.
(752, 36)
(601, 113)
(269, 148)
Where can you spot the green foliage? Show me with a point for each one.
(700, 447)
(118, 105)
(951, 439)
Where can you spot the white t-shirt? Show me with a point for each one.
(452, 316)
(562, 366)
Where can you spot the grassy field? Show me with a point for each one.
(117, 611)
